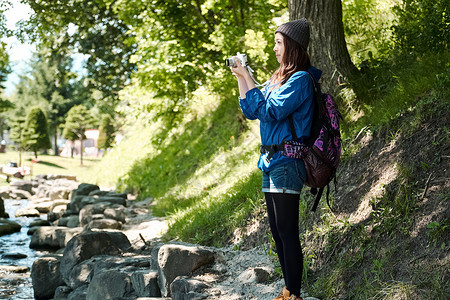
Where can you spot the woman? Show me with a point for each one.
(288, 93)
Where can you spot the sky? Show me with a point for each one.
(19, 54)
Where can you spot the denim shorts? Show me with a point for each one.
(287, 178)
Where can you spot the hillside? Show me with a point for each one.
(388, 234)
(388, 237)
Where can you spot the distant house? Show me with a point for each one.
(89, 145)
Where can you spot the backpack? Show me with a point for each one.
(321, 152)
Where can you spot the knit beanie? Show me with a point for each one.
(297, 30)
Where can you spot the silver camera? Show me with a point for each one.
(241, 57)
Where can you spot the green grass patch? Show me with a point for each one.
(389, 88)
(50, 164)
(212, 220)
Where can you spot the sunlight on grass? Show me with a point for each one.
(49, 164)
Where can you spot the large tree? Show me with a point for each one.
(327, 48)
(78, 121)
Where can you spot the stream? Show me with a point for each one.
(15, 251)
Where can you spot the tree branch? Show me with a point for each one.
(199, 10)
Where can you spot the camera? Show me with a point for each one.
(241, 57)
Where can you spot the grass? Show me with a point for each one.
(49, 164)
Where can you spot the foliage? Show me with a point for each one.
(182, 44)
(90, 28)
(77, 122)
(17, 125)
(5, 69)
(35, 136)
(52, 87)
(4, 5)
(423, 26)
(106, 133)
(367, 26)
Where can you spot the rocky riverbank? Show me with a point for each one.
(107, 246)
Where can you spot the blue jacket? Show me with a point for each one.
(272, 108)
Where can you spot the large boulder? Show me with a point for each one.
(52, 237)
(80, 201)
(83, 272)
(8, 227)
(187, 288)
(46, 276)
(178, 260)
(84, 189)
(89, 244)
(145, 283)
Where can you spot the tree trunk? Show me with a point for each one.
(327, 46)
(81, 151)
(55, 142)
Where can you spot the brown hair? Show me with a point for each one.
(295, 58)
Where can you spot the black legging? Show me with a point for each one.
(283, 218)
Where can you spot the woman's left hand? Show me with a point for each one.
(239, 70)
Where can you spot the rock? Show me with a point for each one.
(46, 276)
(179, 260)
(187, 288)
(115, 213)
(83, 272)
(53, 216)
(3, 214)
(8, 227)
(14, 269)
(146, 284)
(73, 222)
(16, 194)
(62, 292)
(108, 193)
(27, 212)
(14, 255)
(85, 188)
(254, 275)
(49, 205)
(24, 185)
(59, 208)
(62, 221)
(86, 213)
(32, 230)
(78, 294)
(104, 224)
(60, 192)
(39, 222)
(79, 201)
(111, 284)
(89, 244)
(52, 237)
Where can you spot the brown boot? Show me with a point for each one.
(286, 295)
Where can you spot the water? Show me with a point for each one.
(15, 286)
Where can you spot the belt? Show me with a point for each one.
(271, 149)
